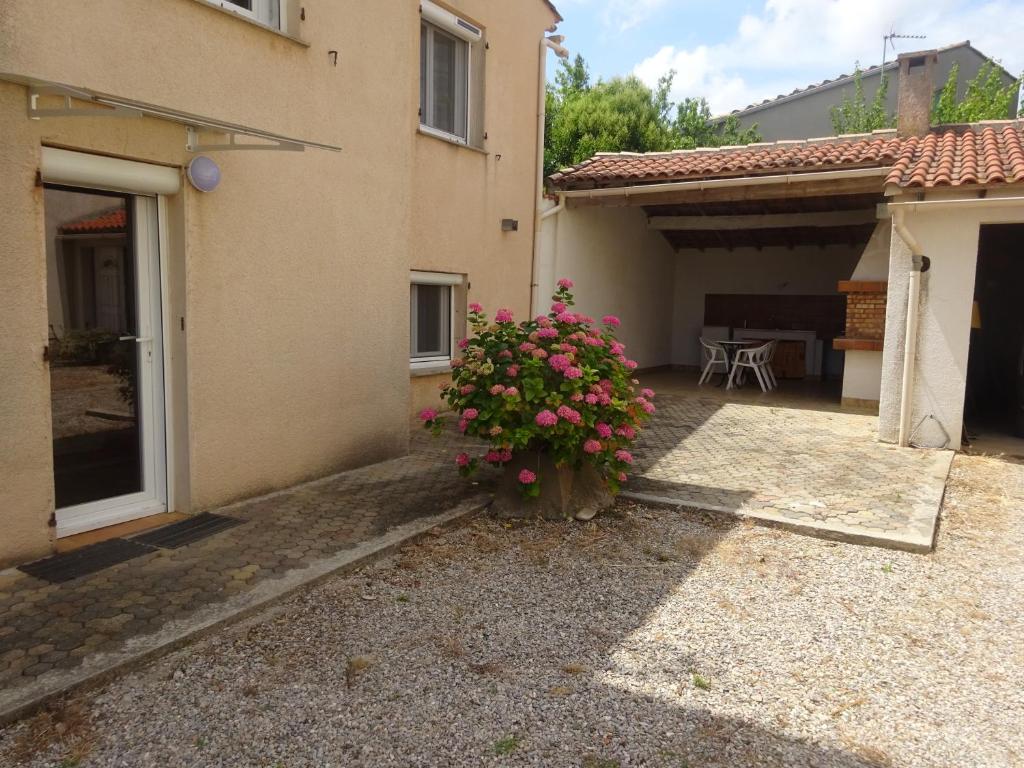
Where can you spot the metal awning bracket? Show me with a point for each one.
(68, 109)
(193, 143)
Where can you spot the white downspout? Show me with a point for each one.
(910, 341)
(555, 44)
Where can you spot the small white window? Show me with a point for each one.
(445, 44)
(432, 312)
(266, 12)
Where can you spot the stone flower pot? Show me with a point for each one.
(565, 492)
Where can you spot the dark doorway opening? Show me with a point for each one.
(995, 369)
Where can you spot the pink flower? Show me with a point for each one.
(428, 414)
(497, 389)
(617, 348)
(559, 362)
(566, 283)
(558, 307)
(569, 414)
(594, 341)
(503, 316)
(540, 354)
(513, 371)
(584, 319)
(606, 384)
(591, 398)
(505, 455)
(604, 398)
(647, 392)
(565, 317)
(526, 477)
(622, 477)
(611, 320)
(527, 346)
(646, 405)
(511, 392)
(470, 413)
(463, 424)
(572, 372)
(592, 446)
(626, 431)
(467, 389)
(603, 430)
(462, 459)
(474, 307)
(463, 343)
(544, 322)
(505, 354)
(458, 362)
(631, 364)
(546, 419)
(547, 333)
(576, 397)
(624, 456)
(492, 457)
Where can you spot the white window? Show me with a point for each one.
(432, 313)
(445, 62)
(266, 12)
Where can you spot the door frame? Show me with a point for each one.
(148, 225)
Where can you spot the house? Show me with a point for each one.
(369, 168)
(806, 112)
(890, 262)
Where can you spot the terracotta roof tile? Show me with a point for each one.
(108, 221)
(986, 153)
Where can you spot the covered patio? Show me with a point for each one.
(795, 459)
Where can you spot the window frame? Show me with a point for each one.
(451, 282)
(258, 13)
(436, 20)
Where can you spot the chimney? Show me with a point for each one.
(916, 92)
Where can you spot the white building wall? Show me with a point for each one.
(807, 270)
(949, 237)
(619, 267)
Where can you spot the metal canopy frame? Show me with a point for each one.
(105, 105)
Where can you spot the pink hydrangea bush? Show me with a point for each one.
(558, 383)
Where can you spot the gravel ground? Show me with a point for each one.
(651, 637)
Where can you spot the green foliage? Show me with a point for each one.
(986, 97)
(856, 115)
(506, 746)
(625, 115)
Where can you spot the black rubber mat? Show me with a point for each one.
(187, 531)
(82, 562)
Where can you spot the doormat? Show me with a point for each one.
(187, 531)
(81, 562)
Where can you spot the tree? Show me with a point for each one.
(856, 115)
(986, 97)
(695, 128)
(625, 115)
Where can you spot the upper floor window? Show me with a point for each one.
(446, 77)
(266, 12)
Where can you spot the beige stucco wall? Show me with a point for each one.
(460, 194)
(620, 267)
(292, 277)
(782, 271)
(949, 237)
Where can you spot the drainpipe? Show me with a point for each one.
(919, 264)
(554, 42)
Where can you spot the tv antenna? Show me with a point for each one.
(888, 41)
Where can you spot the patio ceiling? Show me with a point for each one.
(786, 222)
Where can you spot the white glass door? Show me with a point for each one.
(106, 353)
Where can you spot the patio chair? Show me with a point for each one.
(754, 359)
(772, 346)
(714, 355)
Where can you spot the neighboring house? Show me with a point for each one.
(818, 243)
(806, 113)
(166, 349)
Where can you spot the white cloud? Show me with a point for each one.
(792, 43)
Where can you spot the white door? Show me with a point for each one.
(106, 353)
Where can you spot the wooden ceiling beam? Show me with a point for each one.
(763, 221)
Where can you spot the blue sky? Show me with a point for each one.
(737, 52)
